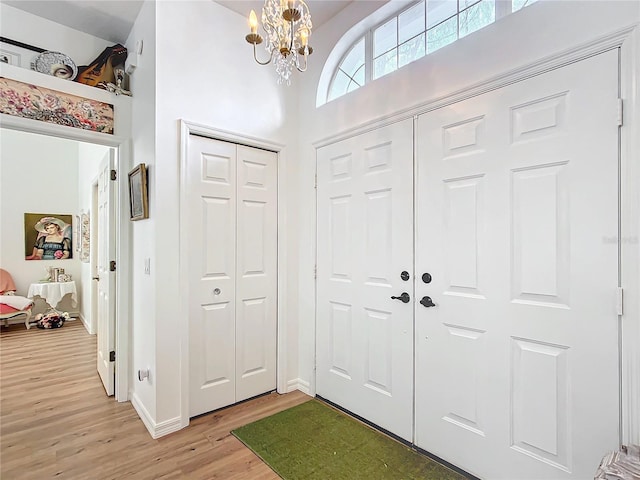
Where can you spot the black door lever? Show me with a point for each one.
(427, 302)
(404, 297)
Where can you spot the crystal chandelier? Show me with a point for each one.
(287, 24)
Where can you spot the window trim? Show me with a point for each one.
(339, 69)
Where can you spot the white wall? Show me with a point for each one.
(89, 158)
(38, 174)
(143, 296)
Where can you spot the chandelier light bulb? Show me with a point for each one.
(253, 22)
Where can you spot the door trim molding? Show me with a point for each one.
(188, 128)
(122, 148)
(629, 241)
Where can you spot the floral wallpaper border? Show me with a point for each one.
(38, 103)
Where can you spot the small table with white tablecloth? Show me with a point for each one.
(53, 292)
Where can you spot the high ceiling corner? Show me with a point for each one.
(107, 19)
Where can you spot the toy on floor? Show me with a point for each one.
(51, 319)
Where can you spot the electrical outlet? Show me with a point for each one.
(147, 266)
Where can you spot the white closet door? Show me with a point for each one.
(365, 241)
(257, 279)
(212, 273)
(517, 362)
(233, 278)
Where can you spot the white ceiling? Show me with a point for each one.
(113, 19)
(321, 10)
(108, 19)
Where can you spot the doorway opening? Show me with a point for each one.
(46, 171)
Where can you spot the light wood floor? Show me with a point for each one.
(57, 422)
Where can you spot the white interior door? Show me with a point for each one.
(232, 225)
(212, 273)
(256, 272)
(517, 362)
(365, 240)
(106, 325)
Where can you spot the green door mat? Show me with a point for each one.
(315, 441)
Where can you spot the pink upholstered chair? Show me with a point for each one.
(13, 308)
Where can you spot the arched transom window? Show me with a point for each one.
(418, 30)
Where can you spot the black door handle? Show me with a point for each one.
(404, 297)
(427, 302)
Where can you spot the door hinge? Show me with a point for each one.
(315, 271)
(619, 309)
(315, 184)
(114, 175)
(619, 115)
(112, 356)
(112, 266)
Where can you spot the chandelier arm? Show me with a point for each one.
(255, 57)
(297, 64)
(291, 35)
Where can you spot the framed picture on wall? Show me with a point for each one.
(48, 236)
(18, 53)
(9, 57)
(138, 197)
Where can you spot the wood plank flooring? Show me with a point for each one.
(57, 422)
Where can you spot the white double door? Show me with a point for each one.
(231, 193)
(512, 373)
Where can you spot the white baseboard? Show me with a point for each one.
(298, 384)
(84, 322)
(156, 430)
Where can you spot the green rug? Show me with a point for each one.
(315, 441)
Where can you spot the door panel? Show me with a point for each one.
(365, 225)
(518, 359)
(106, 325)
(212, 273)
(257, 276)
